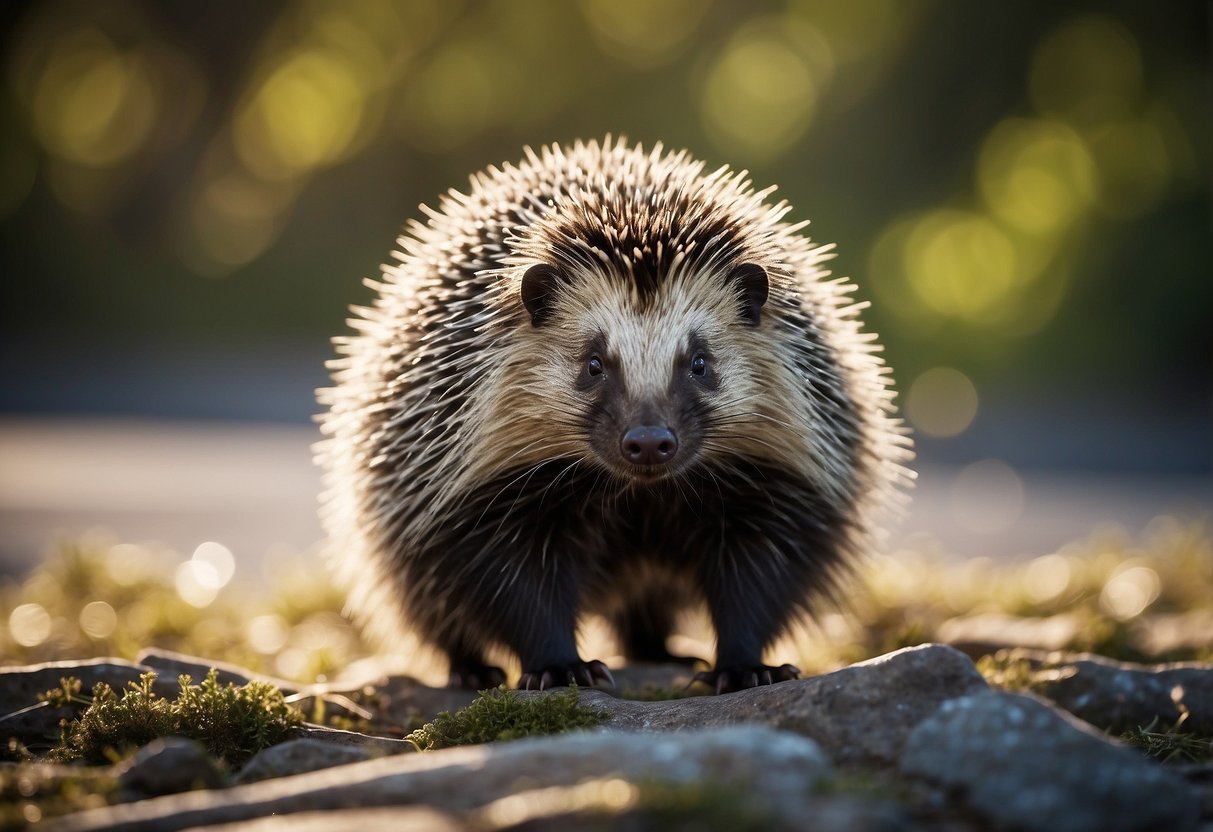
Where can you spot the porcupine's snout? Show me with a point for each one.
(649, 445)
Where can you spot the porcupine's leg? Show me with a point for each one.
(470, 671)
(504, 575)
(531, 619)
(747, 610)
(538, 623)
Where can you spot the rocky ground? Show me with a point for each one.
(915, 739)
(1071, 691)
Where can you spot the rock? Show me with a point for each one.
(979, 635)
(614, 803)
(170, 765)
(393, 819)
(27, 721)
(770, 772)
(170, 665)
(642, 681)
(1020, 764)
(297, 757)
(375, 746)
(860, 714)
(408, 703)
(1118, 696)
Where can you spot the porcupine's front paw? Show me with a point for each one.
(472, 675)
(583, 673)
(740, 677)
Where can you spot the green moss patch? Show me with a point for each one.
(233, 722)
(1170, 744)
(502, 714)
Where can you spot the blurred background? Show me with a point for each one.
(191, 194)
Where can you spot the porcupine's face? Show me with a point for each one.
(649, 379)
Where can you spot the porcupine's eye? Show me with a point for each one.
(593, 367)
(699, 366)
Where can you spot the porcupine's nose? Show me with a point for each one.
(648, 445)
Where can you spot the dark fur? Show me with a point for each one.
(574, 539)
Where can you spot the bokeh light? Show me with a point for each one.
(235, 219)
(128, 564)
(459, 93)
(29, 624)
(197, 583)
(942, 402)
(267, 633)
(961, 264)
(1135, 164)
(760, 93)
(305, 114)
(93, 103)
(1129, 591)
(1089, 68)
(98, 620)
(1036, 175)
(219, 557)
(642, 33)
(1047, 577)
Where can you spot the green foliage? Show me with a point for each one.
(31, 792)
(897, 600)
(1009, 671)
(232, 722)
(502, 714)
(137, 584)
(910, 597)
(705, 805)
(1171, 744)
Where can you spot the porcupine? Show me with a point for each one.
(606, 381)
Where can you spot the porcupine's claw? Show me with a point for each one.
(729, 679)
(581, 673)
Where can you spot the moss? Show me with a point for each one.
(502, 714)
(707, 805)
(31, 792)
(1008, 671)
(896, 602)
(1170, 744)
(232, 722)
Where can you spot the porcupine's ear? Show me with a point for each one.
(539, 286)
(753, 288)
